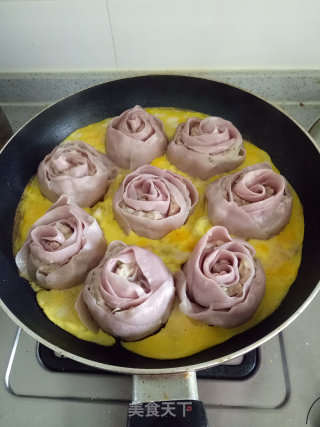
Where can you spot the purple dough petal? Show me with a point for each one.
(77, 170)
(135, 138)
(133, 316)
(230, 292)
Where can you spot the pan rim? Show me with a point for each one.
(176, 76)
(198, 366)
(157, 371)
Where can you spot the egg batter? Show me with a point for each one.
(181, 336)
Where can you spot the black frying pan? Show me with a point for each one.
(289, 146)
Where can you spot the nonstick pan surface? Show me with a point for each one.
(290, 147)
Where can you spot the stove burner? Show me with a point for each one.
(268, 388)
(237, 369)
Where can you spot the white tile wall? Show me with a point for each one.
(216, 33)
(45, 35)
(55, 35)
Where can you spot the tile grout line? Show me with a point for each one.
(112, 35)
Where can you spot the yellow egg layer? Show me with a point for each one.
(181, 336)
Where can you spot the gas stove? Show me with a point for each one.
(279, 384)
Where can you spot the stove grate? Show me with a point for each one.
(238, 369)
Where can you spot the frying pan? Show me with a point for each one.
(290, 147)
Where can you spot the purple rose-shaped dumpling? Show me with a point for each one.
(77, 170)
(135, 138)
(61, 247)
(129, 294)
(254, 203)
(206, 147)
(152, 201)
(222, 283)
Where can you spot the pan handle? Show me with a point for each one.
(166, 400)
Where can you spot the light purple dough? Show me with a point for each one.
(254, 203)
(77, 170)
(152, 201)
(207, 147)
(135, 138)
(222, 284)
(61, 247)
(129, 295)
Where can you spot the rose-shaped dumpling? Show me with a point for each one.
(207, 147)
(135, 138)
(254, 203)
(61, 247)
(152, 201)
(129, 294)
(77, 170)
(222, 283)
